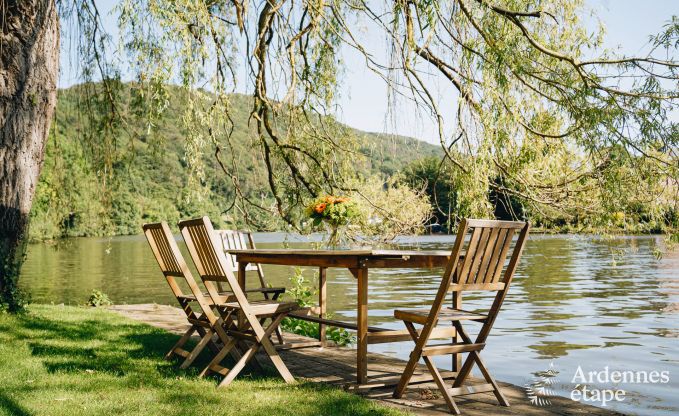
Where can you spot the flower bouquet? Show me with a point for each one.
(336, 213)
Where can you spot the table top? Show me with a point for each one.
(359, 258)
(341, 253)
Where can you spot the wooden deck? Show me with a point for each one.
(337, 366)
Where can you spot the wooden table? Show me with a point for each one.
(358, 262)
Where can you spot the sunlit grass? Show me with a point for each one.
(61, 360)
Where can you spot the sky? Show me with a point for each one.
(363, 98)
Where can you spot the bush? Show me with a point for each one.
(303, 293)
(390, 209)
(98, 298)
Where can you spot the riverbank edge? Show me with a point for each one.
(670, 235)
(171, 319)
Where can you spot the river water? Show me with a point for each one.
(578, 304)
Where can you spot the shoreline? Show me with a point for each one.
(334, 366)
(534, 231)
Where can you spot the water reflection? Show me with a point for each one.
(575, 301)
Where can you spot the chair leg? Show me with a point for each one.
(464, 371)
(229, 322)
(204, 341)
(279, 333)
(475, 357)
(212, 345)
(489, 378)
(265, 343)
(242, 347)
(180, 343)
(261, 321)
(407, 373)
(238, 367)
(219, 357)
(279, 336)
(441, 385)
(412, 363)
(273, 353)
(256, 361)
(469, 362)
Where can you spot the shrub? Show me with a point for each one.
(303, 293)
(98, 298)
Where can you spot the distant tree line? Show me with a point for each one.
(655, 209)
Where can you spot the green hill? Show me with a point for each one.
(145, 179)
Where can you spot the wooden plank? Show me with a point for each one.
(242, 335)
(181, 352)
(362, 324)
(390, 381)
(398, 335)
(465, 390)
(322, 297)
(242, 267)
(350, 259)
(487, 254)
(341, 253)
(199, 322)
(416, 262)
(492, 264)
(457, 304)
(463, 272)
(451, 348)
(260, 270)
(476, 286)
(472, 223)
(297, 345)
(304, 252)
(332, 322)
(477, 256)
(495, 276)
(348, 262)
(219, 369)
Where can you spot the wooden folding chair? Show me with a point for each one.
(204, 247)
(485, 255)
(242, 240)
(173, 266)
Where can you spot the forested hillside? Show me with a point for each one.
(84, 191)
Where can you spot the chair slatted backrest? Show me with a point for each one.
(240, 240)
(173, 265)
(485, 254)
(205, 247)
(236, 240)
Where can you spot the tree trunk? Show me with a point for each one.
(29, 59)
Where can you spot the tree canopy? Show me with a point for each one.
(540, 111)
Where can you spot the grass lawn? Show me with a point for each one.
(61, 360)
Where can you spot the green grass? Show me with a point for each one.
(61, 360)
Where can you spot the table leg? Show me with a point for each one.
(241, 274)
(241, 282)
(457, 304)
(362, 326)
(322, 296)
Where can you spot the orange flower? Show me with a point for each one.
(319, 208)
(341, 199)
